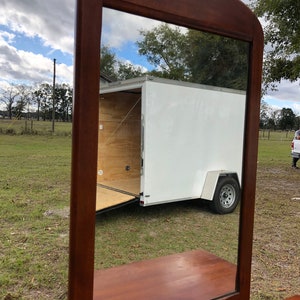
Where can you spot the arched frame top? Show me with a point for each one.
(229, 18)
(233, 18)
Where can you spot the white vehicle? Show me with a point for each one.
(295, 148)
(162, 141)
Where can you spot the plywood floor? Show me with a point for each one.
(191, 275)
(108, 194)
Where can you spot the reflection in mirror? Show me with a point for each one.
(171, 126)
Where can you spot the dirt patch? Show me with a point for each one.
(60, 212)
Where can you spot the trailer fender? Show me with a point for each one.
(222, 189)
(211, 181)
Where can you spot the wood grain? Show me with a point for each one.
(119, 148)
(107, 197)
(190, 275)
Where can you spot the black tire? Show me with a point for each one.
(227, 195)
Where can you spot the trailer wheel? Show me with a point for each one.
(227, 195)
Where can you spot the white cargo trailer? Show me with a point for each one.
(162, 141)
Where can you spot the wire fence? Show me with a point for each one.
(34, 127)
(276, 135)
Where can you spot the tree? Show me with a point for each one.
(282, 37)
(127, 71)
(274, 120)
(284, 119)
(108, 62)
(264, 114)
(24, 100)
(19, 98)
(37, 97)
(19, 108)
(217, 60)
(195, 56)
(63, 97)
(115, 68)
(43, 94)
(287, 119)
(63, 101)
(164, 47)
(8, 97)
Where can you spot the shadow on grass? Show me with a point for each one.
(162, 210)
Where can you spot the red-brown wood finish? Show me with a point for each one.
(84, 150)
(229, 18)
(178, 276)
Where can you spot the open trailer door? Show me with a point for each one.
(119, 146)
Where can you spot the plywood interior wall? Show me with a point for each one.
(119, 148)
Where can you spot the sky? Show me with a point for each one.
(34, 32)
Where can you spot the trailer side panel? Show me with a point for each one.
(188, 132)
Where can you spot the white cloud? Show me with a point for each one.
(18, 65)
(6, 37)
(52, 21)
(124, 27)
(287, 95)
(287, 90)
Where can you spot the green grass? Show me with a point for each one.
(274, 152)
(33, 127)
(135, 233)
(276, 249)
(34, 184)
(34, 204)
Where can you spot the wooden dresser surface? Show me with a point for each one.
(191, 275)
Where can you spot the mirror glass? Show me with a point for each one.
(171, 128)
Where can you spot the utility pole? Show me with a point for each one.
(53, 94)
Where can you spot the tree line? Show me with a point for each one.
(25, 101)
(282, 119)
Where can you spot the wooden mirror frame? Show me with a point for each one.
(230, 18)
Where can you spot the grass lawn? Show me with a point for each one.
(34, 205)
(34, 127)
(276, 248)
